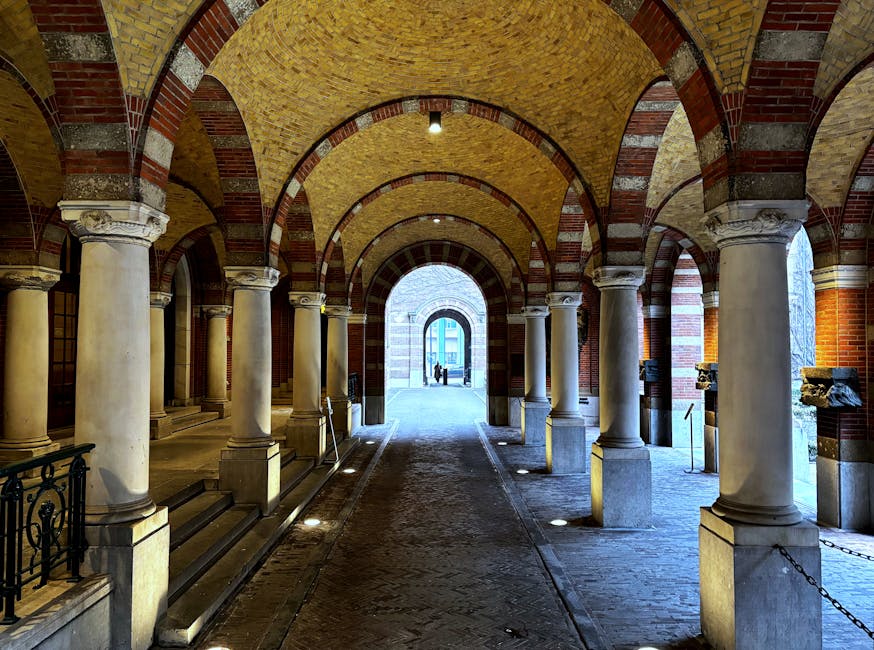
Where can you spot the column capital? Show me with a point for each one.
(310, 299)
(35, 278)
(535, 311)
(564, 300)
(251, 278)
(755, 222)
(710, 299)
(515, 319)
(618, 277)
(358, 319)
(128, 221)
(338, 311)
(840, 276)
(159, 299)
(216, 311)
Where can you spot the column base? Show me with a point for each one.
(137, 556)
(711, 446)
(14, 454)
(374, 409)
(222, 407)
(565, 445)
(160, 426)
(655, 422)
(751, 597)
(621, 487)
(251, 474)
(355, 410)
(534, 423)
(680, 427)
(305, 433)
(515, 412)
(843, 493)
(341, 418)
(499, 410)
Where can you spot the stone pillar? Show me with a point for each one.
(842, 448)
(338, 370)
(565, 431)
(26, 368)
(250, 463)
(217, 360)
(536, 406)
(710, 300)
(621, 471)
(160, 424)
(750, 595)
(355, 338)
(129, 537)
(305, 431)
(656, 425)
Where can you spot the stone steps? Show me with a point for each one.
(193, 600)
(180, 423)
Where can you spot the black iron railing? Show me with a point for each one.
(353, 387)
(42, 521)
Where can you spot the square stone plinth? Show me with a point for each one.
(751, 597)
(306, 434)
(137, 556)
(222, 407)
(252, 475)
(565, 445)
(534, 423)
(160, 427)
(711, 447)
(621, 487)
(842, 494)
(341, 418)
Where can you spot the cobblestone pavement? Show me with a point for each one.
(421, 548)
(431, 556)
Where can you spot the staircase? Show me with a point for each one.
(185, 417)
(215, 544)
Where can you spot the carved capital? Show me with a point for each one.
(708, 376)
(830, 388)
(251, 278)
(126, 221)
(564, 300)
(358, 319)
(710, 299)
(216, 311)
(755, 222)
(535, 311)
(307, 299)
(840, 276)
(618, 277)
(159, 299)
(34, 278)
(338, 311)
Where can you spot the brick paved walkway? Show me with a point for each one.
(424, 548)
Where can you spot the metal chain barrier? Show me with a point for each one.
(824, 593)
(844, 549)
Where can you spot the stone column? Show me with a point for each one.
(217, 360)
(750, 595)
(355, 337)
(129, 537)
(26, 369)
(535, 406)
(565, 431)
(160, 424)
(656, 426)
(710, 300)
(338, 370)
(250, 463)
(305, 431)
(621, 470)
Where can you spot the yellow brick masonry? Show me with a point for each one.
(676, 161)
(21, 43)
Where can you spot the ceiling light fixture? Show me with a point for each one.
(434, 123)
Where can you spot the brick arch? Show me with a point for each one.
(376, 294)
(822, 105)
(441, 177)
(576, 242)
(778, 104)
(241, 214)
(333, 277)
(98, 126)
(47, 106)
(164, 267)
(673, 242)
(626, 221)
(849, 223)
(17, 224)
(355, 276)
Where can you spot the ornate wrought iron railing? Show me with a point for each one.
(42, 521)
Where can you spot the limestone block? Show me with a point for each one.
(252, 475)
(534, 423)
(565, 445)
(306, 434)
(222, 407)
(843, 493)
(374, 409)
(751, 597)
(621, 487)
(160, 427)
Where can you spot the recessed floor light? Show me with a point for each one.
(502, 444)
(521, 471)
(348, 470)
(558, 522)
(312, 521)
(370, 442)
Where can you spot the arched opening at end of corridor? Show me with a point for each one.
(437, 315)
